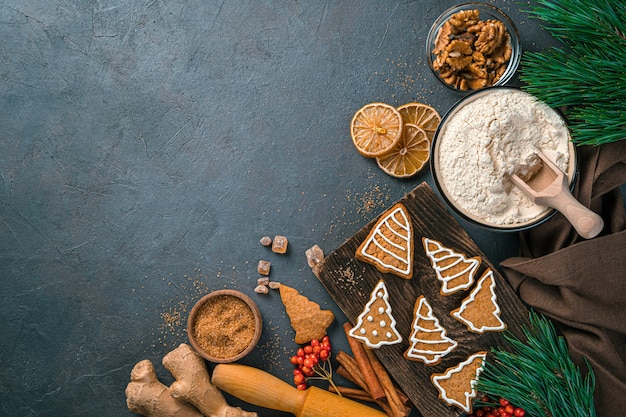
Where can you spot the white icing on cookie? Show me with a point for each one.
(480, 311)
(427, 335)
(450, 265)
(389, 246)
(461, 399)
(367, 330)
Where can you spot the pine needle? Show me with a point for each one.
(588, 73)
(538, 375)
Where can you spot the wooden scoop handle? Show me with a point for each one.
(587, 223)
(260, 388)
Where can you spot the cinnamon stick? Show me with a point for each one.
(349, 370)
(375, 388)
(345, 374)
(354, 375)
(393, 399)
(353, 393)
(403, 397)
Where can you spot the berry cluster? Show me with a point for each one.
(503, 408)
(312, 362)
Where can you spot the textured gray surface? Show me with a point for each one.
(146, 146)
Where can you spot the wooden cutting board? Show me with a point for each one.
(350, 283)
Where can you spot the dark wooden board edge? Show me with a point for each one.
(350, 282)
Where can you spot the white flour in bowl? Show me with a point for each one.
(484, 140)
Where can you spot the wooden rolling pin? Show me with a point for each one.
(260, 388)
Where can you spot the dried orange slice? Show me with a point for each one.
(422, 116)
(409, 155)
(375, 129)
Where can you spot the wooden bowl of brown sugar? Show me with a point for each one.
(224, 326)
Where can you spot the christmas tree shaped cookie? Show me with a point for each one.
(455, 271)
(457, 385)
(429, 342)
(480, 311)
(389, 245)
(375, 325)
(306, 317)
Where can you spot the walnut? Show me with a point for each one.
(456, 81)
(476, 81)
(477, 70)
(462, 84)
(475, 29)
(479, 58)
(465, 18)
(443, 38)
(491, 36)
(440, 62)
(502, 54)
(499, 71)
(465, 37)
(459, 54)
(446, 71)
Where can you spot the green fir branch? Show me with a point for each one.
(538, 375)
(588, 73)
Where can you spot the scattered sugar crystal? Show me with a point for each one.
(263, 281)
(314, 255)
(266, 241)
(261, 289)
(274, 285)
(264, 267)
(280, 244)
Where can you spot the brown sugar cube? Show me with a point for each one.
(280, 244)
(264, 267)
(274, 285)
(314, 255)
(261, 289)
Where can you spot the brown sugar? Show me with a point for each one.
(280, 244)
(224, 326)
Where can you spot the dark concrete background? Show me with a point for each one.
(146, 146)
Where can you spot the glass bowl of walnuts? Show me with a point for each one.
(472, 46)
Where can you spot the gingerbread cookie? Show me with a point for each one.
(389, 245)
(375, 325)
(480, 311)
(457, 385)
(306, 317)
(429, 342)
(455, 271)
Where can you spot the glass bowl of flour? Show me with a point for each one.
(481, 141)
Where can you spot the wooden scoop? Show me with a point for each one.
(260, 388)
(546, 185)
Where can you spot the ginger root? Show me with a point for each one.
(191, 395)
(193, 384)
(147, 396)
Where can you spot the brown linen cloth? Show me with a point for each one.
(581, 284)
